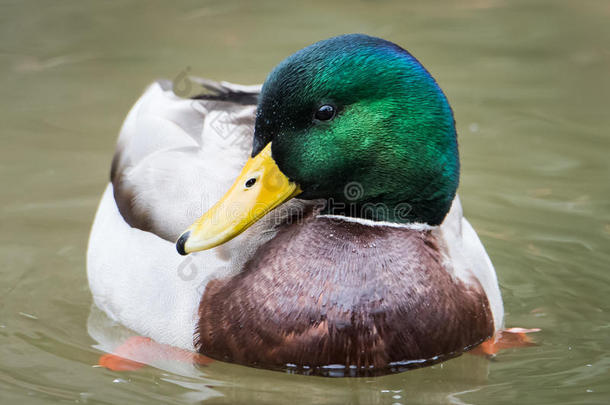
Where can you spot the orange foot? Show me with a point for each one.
(505, 339)
(138, 351)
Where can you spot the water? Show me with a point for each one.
(529, 85)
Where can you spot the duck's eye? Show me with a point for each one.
(250, 182)
(325, 113)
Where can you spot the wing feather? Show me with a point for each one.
(175, 157)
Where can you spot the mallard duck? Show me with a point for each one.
(341, 242)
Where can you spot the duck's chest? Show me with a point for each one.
(330, 292)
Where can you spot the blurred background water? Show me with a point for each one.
(529, 83)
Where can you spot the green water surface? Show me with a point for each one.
(529, 82)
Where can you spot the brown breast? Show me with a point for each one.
(363, 300)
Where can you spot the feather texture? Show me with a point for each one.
(176, 157)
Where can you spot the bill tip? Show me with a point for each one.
(181, 242)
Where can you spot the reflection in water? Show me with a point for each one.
(110, 335)
(204, 382)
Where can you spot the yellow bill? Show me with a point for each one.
(259, 188)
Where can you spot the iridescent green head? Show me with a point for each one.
(353, 120)
(358, 120)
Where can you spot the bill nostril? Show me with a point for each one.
(250, 182)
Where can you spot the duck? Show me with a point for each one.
(309, 224)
